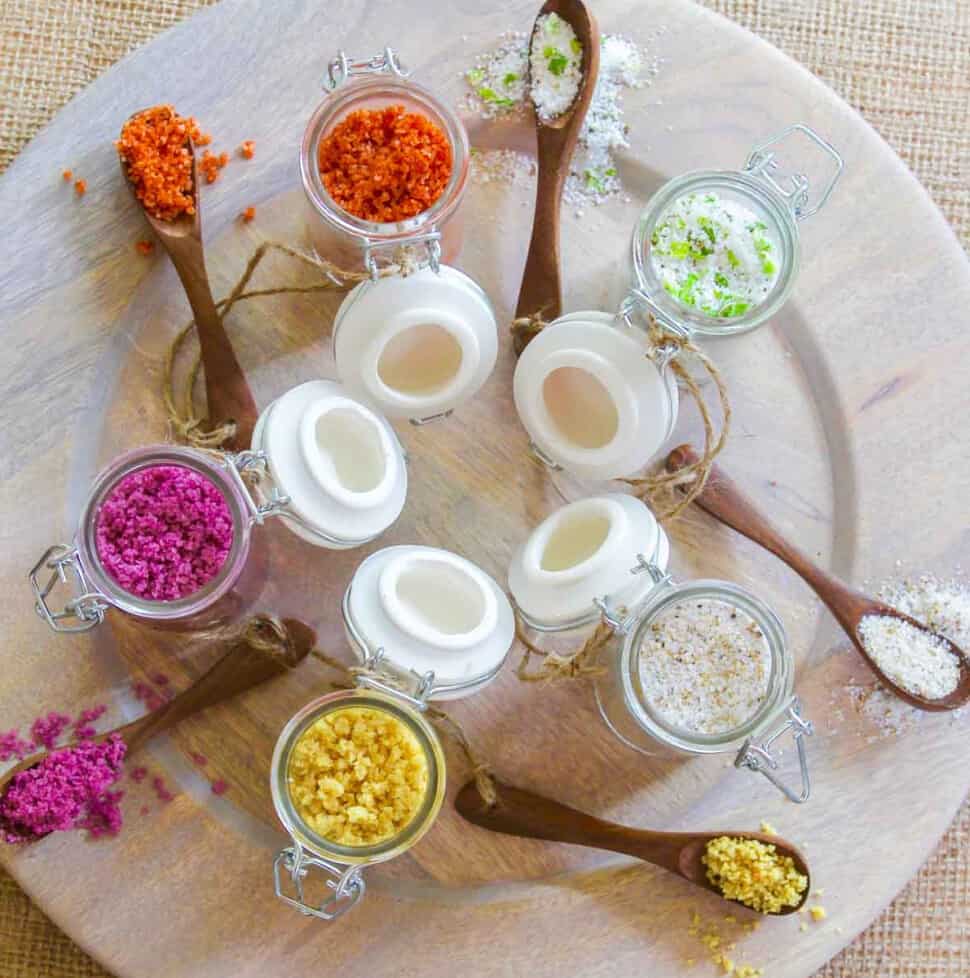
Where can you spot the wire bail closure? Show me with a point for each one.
(85, 610)
(637, 304)
(346, 883)
(758, 757)
(342, 67)
(794, 187)
(430, 239)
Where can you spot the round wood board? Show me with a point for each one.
(841, 432)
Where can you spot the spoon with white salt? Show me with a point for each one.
(564, 59)
(919, 665)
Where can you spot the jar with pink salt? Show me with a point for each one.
(165, 536)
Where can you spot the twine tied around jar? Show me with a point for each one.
(189, 426)
(445, 724)
(581, 664)
(658, 488)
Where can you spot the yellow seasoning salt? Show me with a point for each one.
(358, 776)
(754, 873)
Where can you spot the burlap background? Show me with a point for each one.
(905, 64)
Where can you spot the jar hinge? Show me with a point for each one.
(341, 67)
(373, 660)
(762, 162)
(86, 609)
(430, 239)
(347, 883)
(621, 619)
(638, 303)
(758, 757)
(277, 503)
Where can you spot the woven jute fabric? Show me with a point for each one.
(905, 64)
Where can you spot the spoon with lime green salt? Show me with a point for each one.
(563, 66)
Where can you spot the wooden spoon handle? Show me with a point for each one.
(522, 813)
(541, 289)
(241, 668)
(728, 504)
(227, 393)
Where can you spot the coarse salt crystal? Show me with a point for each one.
(917, 660)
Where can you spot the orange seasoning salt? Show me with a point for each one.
(154, 148)
(385, 165)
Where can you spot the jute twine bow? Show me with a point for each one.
(187, 425)
(581, 664)
(443, 722)
(657, 489)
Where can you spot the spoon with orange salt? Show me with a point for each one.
(172, 209)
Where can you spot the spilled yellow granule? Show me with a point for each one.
(754, 873)
(357, 776)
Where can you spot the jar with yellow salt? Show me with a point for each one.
(358, 776)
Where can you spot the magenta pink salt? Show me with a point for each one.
(163, 532)
(68, 789)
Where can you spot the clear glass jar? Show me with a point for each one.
(350, 242)
(628, 713)
(78, 567)
(340, 865)
(779, 201)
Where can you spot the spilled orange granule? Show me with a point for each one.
(145, 247)
(80, 187)
(248, 214)
(154, 148)
(385, 164)
(67, 174)
(248, 149)
(210, 164)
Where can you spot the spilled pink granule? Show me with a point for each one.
(163, 532)
(219, 787)
(200, 759)
(46, 731)
(148, 696)
(13, 745)
(138, 774)
(67, 789)
(84, 728)
(161, 789)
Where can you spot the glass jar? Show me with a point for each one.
(342, 865)
(595, 394)
(605, 559)
(442, 625)
(78, 567)
(779, 201)
(354, 244)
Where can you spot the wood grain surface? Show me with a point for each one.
(831, 438)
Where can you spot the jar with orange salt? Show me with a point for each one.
(384, 164)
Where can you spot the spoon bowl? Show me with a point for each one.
(726, 503)
(227, 392)
(523, 813)
(541, 289)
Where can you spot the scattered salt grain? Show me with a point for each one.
(919, 661)
(46, 731)
(555, 61)
(501, 166)
(498, 79)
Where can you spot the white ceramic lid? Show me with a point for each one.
(583, 551)
(430, 610)
(591, 399)
(339, 462)
(415, 346)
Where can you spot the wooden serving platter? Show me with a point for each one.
(842, 432)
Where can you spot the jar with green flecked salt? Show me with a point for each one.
(717, 251)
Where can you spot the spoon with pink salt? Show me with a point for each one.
(251, 659)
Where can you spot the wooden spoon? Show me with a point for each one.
(227, 392)
(241, 668)
(523, 813)
(725, 502)
(541, 290)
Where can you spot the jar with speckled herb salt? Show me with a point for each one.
(717, 251)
